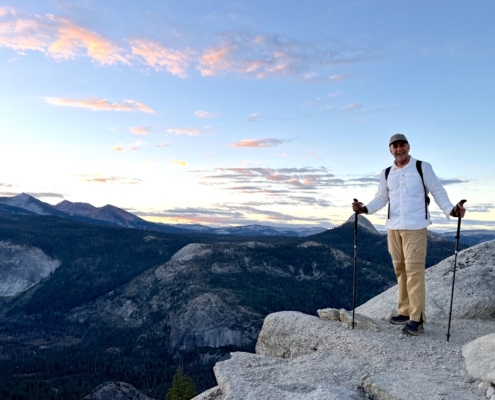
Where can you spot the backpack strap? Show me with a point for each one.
(419, 167)
(387, 171)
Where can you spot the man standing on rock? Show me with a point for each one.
(405, 187)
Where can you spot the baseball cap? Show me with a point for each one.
(397, 137)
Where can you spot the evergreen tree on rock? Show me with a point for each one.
(183, 387)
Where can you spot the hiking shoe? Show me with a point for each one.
(399, 319)
(413, 328)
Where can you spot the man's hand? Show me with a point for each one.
(459, 210)
(359, 207)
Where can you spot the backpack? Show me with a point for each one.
(420, 172)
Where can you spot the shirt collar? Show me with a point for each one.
(412, 161)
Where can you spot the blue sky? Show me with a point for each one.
(236, 112)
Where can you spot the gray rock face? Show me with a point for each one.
(474, 295)
(215, 393)
(408, 385)
(213, 324)
(200, 317)
(304, 357)
(22, 267)
(480, 358)
(116, 391)
(257, 377)
(344, 316)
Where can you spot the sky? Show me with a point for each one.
(241, 112)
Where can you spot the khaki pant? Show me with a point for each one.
(408, 251)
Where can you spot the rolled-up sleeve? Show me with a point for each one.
(381, 197)
(438, 192)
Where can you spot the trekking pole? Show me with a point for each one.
(355, 264)
(457, 237)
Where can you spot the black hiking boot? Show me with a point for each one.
(413, 328)
(399, 319)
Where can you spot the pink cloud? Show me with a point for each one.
(232, 57)
(96, 178)
(141, 130)
(73, 39)
(162, 145)
(161, 58)
(96, 104)
(57, 37)
(258, 143)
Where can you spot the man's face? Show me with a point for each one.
(400, 151)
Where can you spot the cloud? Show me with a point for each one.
(157, 56)
(57, 37)
(253, 117)
(131, 147)
(205, 114)
(73, 39)
(337, 77)
(183, 131)
(179, 162)
(261, 56)
(271, 181)
(96, 178)
(162, 145)
(335, 94)
(451, 181)
(244, 53)
(365, 180)
(96, 104)
(9, 194)
(480, 207)
(226, 214)
(45, 194)
(141, 130)
(351, 107)
(315, 156)
(259, 143)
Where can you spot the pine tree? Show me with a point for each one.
(183, 387)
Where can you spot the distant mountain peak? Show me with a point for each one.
(27, 202)
(363, 222)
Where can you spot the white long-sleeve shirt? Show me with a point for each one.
(405, 190)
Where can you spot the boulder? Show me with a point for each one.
(116, 391)
(257, 377)
(480, 358)
(329, 314)
(291, 334)
(474, 296)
